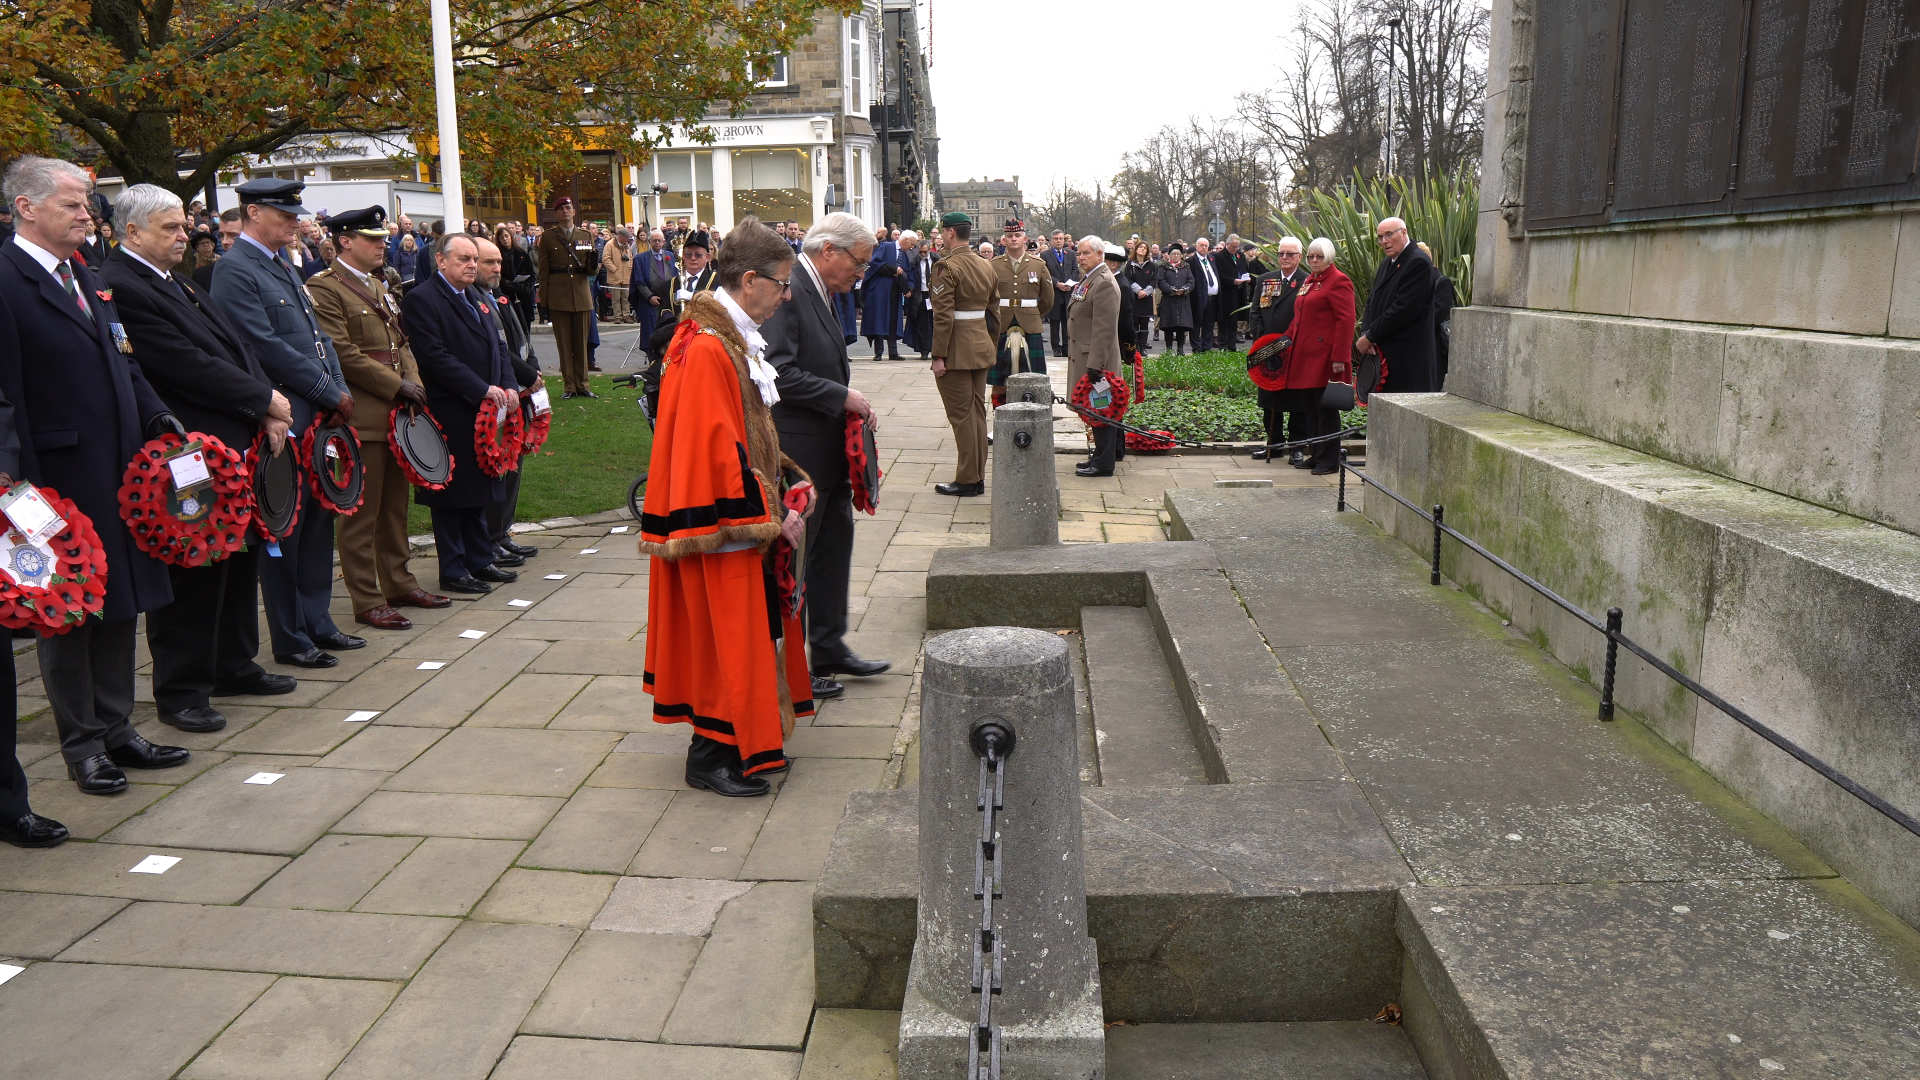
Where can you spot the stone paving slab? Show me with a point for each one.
(89, 817)
(528, 700)
(1337, 1050)
(443, 876)
(39, 926)
(504, 761)
(592, 658)
(465, 684)
(100, 1020)
(576, 602)
(636, 770)
(444, 642)
(294, 731)
(333, 944)
(600, 829)
(701, 836)
(387, 749)
(675, 906)
(818, 741)
(794, 840)
(558, 631)
(458, 1014)
(381, 687)
(548, 897)
(611, 703)
(335, 872)
(219, 810)
(770, 932)
(852, 1044)
(101, 869)
(615, 986)
(298, 1030)
(472, 817)
(535, 1058)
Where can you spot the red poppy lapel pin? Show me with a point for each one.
(485, 310)
(105, 295)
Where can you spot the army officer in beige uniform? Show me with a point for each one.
(1023, 294)
(962, 290)
(567, 262)
(351, 304)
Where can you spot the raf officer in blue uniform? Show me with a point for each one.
(261, 293)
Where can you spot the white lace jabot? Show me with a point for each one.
(758, 369)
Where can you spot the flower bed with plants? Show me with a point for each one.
(1206, 397)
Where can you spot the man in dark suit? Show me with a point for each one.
(259, 292)
(918, 256)
(199, 364)
(1398, 322)
(1066, 274)
(526, 376)
(1208, 294)
(84, 410)
(1230, 266)
(652, 285)
(19, 825)
(808, 350)
(463, 360)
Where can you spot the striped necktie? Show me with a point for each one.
(66, 282)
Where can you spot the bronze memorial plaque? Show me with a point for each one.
(1679, 99)
(1575, 64)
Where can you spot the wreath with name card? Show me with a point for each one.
(497, 439)
(54, 586)
(276, 488)
(330, 450)
(863, 465)
(197, 525)
(1110, 404)
(538, 425)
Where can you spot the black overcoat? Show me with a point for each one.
(1399, 321)
(460, 355)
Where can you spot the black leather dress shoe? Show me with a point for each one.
(525, 551)
(825, 689)
(339, 642)
(963, 491)
(1260, 454)
(198, 718)
(503, 557)
(727, 781)
(469, 586)
(852, 665)
(494, 573)
(32, 830)
(1298, 460)
(138, 753)
(1089, 470)
(97, 775)
(263, 684)
(312, 658)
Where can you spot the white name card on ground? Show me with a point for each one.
(8, 971)
(431, 665)
(619, 528)
(556, 577)
(588, 551)
(519, 603)
(362, 716)
(264, 778)
(154, 864)
(475, 634)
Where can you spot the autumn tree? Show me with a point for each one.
(171, 92)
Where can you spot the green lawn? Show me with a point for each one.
(596, 449)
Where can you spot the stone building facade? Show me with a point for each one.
(990, 203)
(911, 157)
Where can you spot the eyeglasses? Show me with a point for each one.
(1316, 258)
(784, 285)
(1289, 254)
(1385, 236)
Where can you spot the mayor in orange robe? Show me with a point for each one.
(724, 511)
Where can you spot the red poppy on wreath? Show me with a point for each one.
(197, 526)
(105, 295)
(74, 591)
(405, 461)
(1098, 404)
(538, 426)
(1150, 442)
(336, 472)
(497, 439)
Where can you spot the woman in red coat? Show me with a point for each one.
(1322, 334)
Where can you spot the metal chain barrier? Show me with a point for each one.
(994, 743)
(1287, 447)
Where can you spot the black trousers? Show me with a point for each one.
(501, 513)
(1205, 314)
(88, 672)
(13, 779)
(1106, 446)
(1273, 416)
(209, 635)
(1306, 419)
(1228, 336)
(298, 583)
(1057, 323)
(709, 755)
(829, 565)
(461, 540)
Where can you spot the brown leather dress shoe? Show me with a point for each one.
(420, 598)
(383, 618)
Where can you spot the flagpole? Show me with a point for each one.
(454, 212)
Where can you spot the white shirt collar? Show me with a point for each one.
(144, 261)
(758, 369)
(819, 288)
(48, 260)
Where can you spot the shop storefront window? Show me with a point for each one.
(774, 185)
(688, 175)
(591, 187)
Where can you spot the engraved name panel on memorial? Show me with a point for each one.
(1575, 64)
(1679, 98)
(1833, 104)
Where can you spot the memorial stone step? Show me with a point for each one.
(1141, 733)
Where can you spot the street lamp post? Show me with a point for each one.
(450, 194)
(1393, 33)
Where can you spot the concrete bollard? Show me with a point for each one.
(1048, 1013)
(1032, 386)
(1026, 494)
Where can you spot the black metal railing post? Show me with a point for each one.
(1340, 506)
(1613, 663)
(1439, 525)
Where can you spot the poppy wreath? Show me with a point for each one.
(786, 572)
(857, 465)
(174, 529)
(1083, 397)
(1150, 441)
(496, 446)
(1139, 378)
(538, 427)
(260, 453)
(77, 589)
(313, 453)
(406, 464)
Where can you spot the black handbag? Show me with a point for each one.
(1338, 396)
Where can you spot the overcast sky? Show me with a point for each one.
(1154, 64)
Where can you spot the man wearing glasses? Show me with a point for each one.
(1271, 313)
(1398, 322)
(809, 352)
